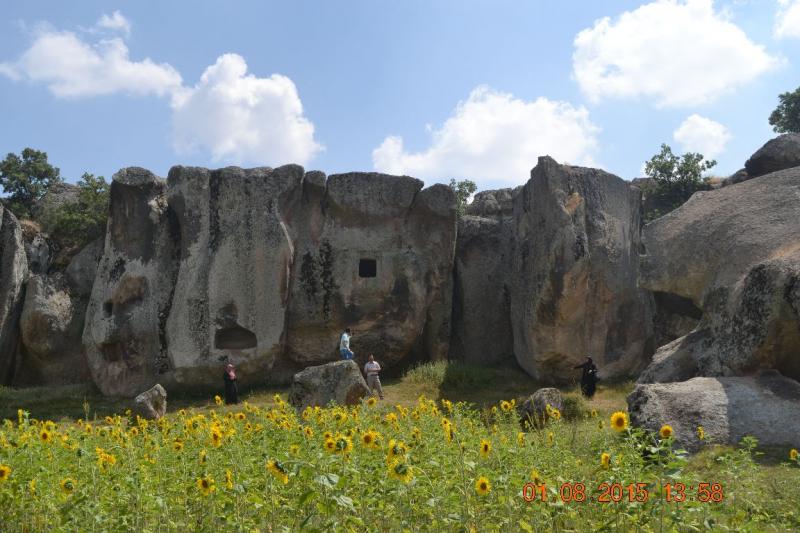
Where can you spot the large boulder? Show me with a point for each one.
(735, 253)
(51, 326)
(481, 300)
(152, 403)
(573, 280)
(534, 409)
(763, 406)
(125, 333)
(779, 153)
(13, 271)
(494, 203)
(340, 382)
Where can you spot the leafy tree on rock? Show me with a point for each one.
(25, 179)
(786, 117)
(75, 224)
(675, 179)
(463, 190)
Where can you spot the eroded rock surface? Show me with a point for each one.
(779, 153)
(735, 253)
(574, 274)
(728, 408)
(340, 382)
(13, 271)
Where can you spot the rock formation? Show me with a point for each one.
(573, 277)
(13, 270)
(735, 254)
(727, 408)
(340, 382)
(263, 268)
(152, 403)
(779, 153)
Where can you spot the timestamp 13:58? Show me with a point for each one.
(618, 492)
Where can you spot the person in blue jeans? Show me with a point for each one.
(344, 345)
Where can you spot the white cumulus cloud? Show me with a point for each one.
(703, 135)
(787, 23)
(72, 68)
(241, 118)
(496, 138)
(675, 52)
(114, 22)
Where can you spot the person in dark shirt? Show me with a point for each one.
(231, 388)
(588, 377)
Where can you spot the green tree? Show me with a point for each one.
(75, 224)
(675, 179)
(786, 117)
(25, 179)
(463, 190)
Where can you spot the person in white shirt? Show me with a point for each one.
(344, 345)
(371, 370)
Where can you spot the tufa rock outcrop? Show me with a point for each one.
(735, 253)
(264, 268)
(340, 382)
(779, 153)
(152, 403)
(728, 409)
(13, 271)
(573, 277)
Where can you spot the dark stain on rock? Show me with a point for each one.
(328, 284)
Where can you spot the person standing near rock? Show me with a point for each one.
(371, 370)
(588, 377)
(231, 387)
(344, 345)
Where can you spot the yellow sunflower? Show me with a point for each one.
(240, 416)
(278, 471)
(701, 433)
(228, 479)
(330, 445)
(536, 477)
(665, 431)
(202, 457)
(505, 406)
(794, 454)
(5, 472)
(619, 421)
(308, 432)
(482, 486)
(400, 470)
(45, 436)
(206, 485)
(605, 460)
(68, 485)
(594, 413)
(372, 401)
(550, 437)
(217, 400)
(486, 447)
(521, 438)
(177, 445)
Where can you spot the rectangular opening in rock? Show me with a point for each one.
(367, 268)
(234, 338)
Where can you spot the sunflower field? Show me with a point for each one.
(427, 466)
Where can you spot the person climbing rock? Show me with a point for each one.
(588, 377)
(371, 370)
(231, 388)
(344, 345)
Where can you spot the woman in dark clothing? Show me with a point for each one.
(588, 377)
(231, 388)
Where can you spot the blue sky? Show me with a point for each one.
(434, 89)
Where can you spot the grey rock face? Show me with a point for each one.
(737, 177)
(264, 268)
(82, 268)
(779, 153)
(481, 300)
(13, 271)
(728, 408)
(494, 203)
(51, 326)
(152, 403)
(125, 333)
(735, 252)
(574, 274)
(57, 195)
(340, 382)
(533, 410)
(38, 252)
(372, 252)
